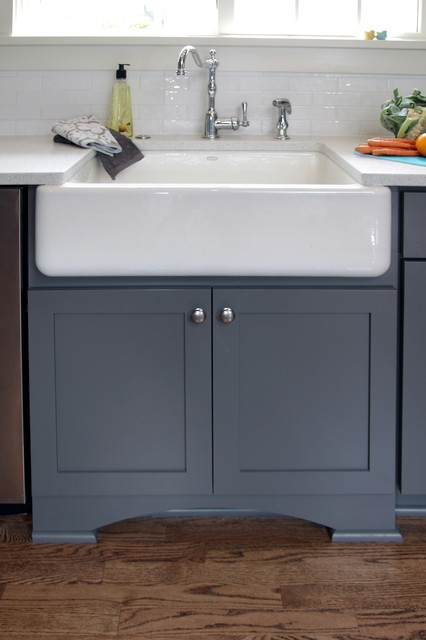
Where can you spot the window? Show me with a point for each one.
(112, 17)
(324, 17)
(344, 18)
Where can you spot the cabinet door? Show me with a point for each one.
(304, 392)
(413, 440)
(120, 392)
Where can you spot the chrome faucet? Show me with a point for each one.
(211, 122)
(284, 107)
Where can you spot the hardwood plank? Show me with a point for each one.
(252, 531)
(101, 552)
(153, 596)
(382, 595)
(31, 552)
(336, 563)
(206, 635)
(121, 572)
(22, 572)
(135, 553)
(27, 593)
(15, 529)
(146, 530)
(208, 596)
(296, 636)
(278, 567)
(63, 635)
(58, 618)
(183, 624)
(401, 622)
(413, 529)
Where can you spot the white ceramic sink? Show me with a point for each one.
(215, 213)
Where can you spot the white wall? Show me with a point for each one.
(323, 103)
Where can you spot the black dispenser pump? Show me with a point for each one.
(121, 71)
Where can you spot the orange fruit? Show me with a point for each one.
(421, 144)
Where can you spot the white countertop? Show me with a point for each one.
(33, 160)
(38, 160)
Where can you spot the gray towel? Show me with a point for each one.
(114, 164)
(128, 156)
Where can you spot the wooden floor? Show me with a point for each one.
(212, 579)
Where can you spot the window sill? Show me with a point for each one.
(236, 53)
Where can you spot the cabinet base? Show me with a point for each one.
(74, 537)
(366, 536)
(350, 517)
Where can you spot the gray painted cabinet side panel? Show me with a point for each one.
(414, 237)
(413, 463)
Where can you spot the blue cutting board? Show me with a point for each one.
(408, 159)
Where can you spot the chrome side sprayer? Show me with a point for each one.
(284, 107)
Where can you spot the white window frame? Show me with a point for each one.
(226, 19)
(236, 53)
(9, 10)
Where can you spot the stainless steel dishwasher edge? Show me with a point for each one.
(12, 482)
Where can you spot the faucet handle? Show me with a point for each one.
(244, 122)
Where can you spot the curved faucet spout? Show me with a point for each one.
(181, 71)
(211, 121)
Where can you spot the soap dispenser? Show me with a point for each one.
(120, 118)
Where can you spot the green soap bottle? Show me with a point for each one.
(120, 117)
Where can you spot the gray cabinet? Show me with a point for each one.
(302, 420)
(413, 431)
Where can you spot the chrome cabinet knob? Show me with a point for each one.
(227, 315)
(198, 315)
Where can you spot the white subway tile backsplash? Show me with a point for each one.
(312, 82)
(18, 112)
(52, 113)
(20, 82)
(66, 82)
(8, 97)
(329, 104)
(7, 128)
(147, 127)
(406, 84)
(191, 127)
(335, 128)
(261, 83)
(357, 114)
(33, 127)
(156, 96)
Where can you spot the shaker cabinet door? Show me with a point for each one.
(120, 392)
(304, 383)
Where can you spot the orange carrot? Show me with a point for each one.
(364, 148)
(395, 151)
(392, 142)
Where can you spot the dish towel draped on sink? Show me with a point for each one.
(115, 151)
(88, 132)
